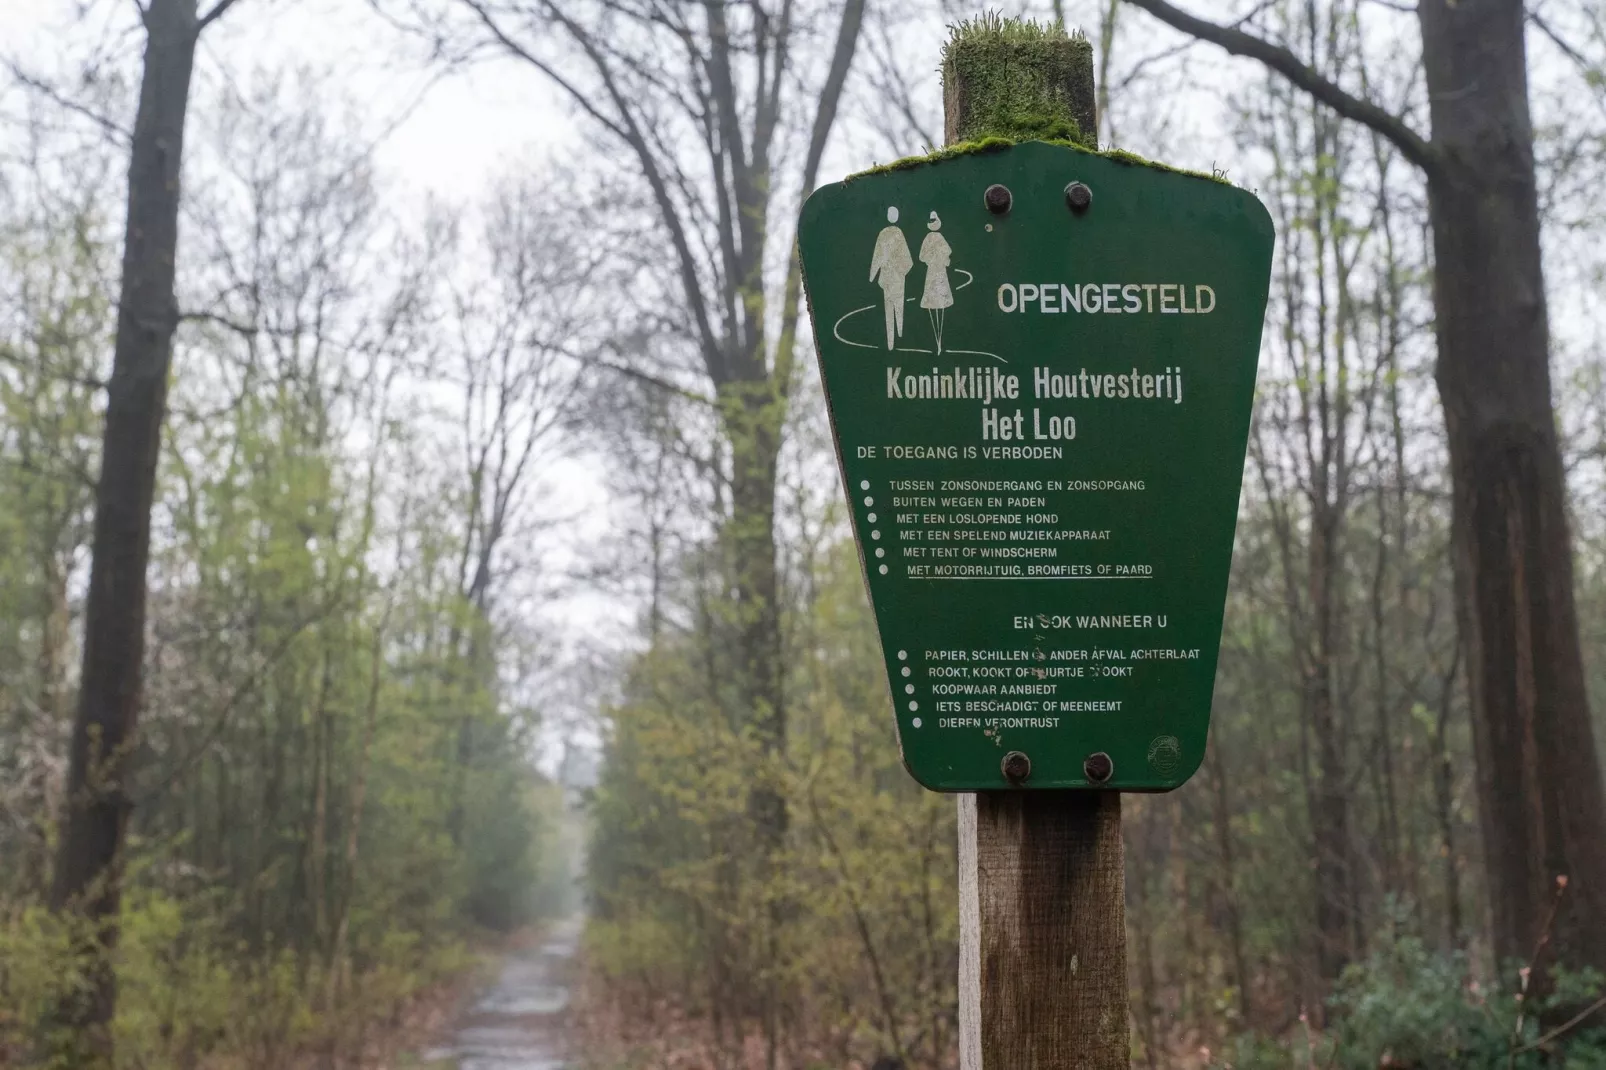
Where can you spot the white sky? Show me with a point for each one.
(465, 127)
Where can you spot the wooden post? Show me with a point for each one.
(1042, 931)
(1042, 914)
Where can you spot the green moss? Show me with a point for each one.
(999, 144)
(964, 148)
(1006, 81)
(1132, 159)
(1018, 79)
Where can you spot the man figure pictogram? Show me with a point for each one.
(891, 262)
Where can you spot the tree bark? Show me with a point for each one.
(88, 866)
(1330, 816)
(1221, 818)
(1444, 804)
(1541, 801)
(1043, 954)
(1543, 809)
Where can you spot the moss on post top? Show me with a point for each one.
(1018, 79)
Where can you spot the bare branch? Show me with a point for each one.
(649, 379)
(578, 96)
(217, 12)
(1411, 144)
(626, 128)
(847, 38)
(120, 133)
(1584, 64)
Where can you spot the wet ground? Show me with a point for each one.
(517, 1023)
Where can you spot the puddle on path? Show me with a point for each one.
(517, 1023)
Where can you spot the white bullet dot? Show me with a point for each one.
(908, 689)
(907, 670)
(883, 570)
(871, 518)
(902, 654)
(875, 535)
(864, 484)
(914, 705)
(879, 552)
(915, 722)
(869, 502)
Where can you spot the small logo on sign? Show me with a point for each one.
(1165, 754)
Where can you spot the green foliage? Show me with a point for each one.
(1250, 1051)
(503, 856)
(1424, 1009)
(34, 945)
(639, 946)
(1415, 1004)
(176, 989)
(683, 904)
(1410, 1006)
(332, 795)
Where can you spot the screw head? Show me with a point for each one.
(998, 199)
(1016, 766)
(1078, 196)
(1098, 767)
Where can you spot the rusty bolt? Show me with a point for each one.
(1016, 766)
(1078, 196)
(998, 199)
(1098, 767)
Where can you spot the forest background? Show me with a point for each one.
(495, 489)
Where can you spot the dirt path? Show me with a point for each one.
(517, 1023)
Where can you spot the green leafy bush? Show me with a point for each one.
(1412, 1008)
(34, 945)
(1408, 1006)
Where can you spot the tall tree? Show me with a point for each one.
(88, 879)
(1541, 799)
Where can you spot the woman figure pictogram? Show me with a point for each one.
(938, 295)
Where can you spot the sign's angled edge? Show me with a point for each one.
(819, 198)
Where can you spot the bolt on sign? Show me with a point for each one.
(1040, 364)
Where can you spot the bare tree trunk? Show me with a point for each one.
(1542, 803)
(1222, 819)
(1543, 808)
(88, 864)
(359, 797)
(1382, 769)
(316, 844)
(1444, 804)
(1330, 818)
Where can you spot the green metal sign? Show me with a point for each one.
(1040, 364)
